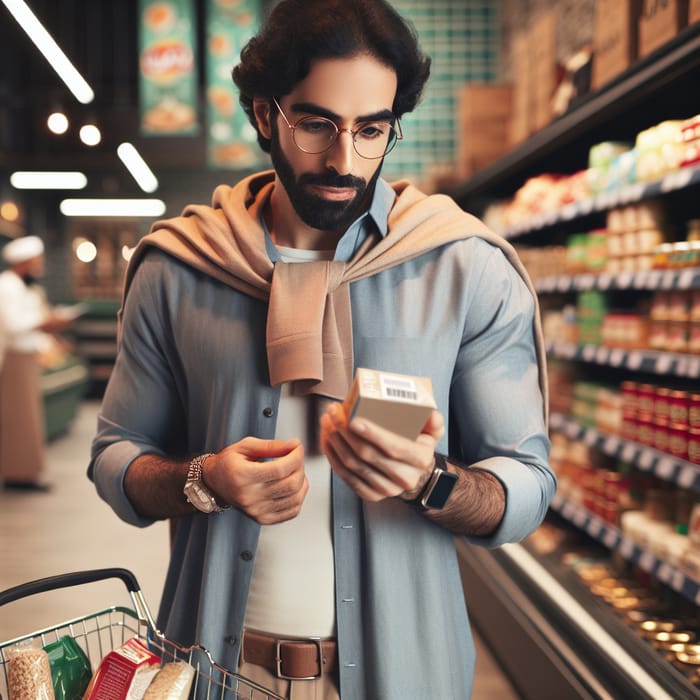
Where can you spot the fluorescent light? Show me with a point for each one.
(48, 180)
(138, 167)
(51, 50)
(113, 207)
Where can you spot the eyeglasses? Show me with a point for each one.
(316, 135)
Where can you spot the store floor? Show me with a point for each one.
(71, 529)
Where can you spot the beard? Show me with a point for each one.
(314, 211)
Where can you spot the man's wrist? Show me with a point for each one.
(438, 487)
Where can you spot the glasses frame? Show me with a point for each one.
(353, 133)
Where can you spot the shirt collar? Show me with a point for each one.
(373, 221)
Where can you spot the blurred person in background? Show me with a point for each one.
(27, 325)
(313, 555)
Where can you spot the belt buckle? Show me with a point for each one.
(278, 658)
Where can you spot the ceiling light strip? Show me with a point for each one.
(48, 180)
(123, 208)
(51, 50)
(138, 167)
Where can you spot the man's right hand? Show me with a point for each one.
(263, 478)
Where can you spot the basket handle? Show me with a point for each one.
(52, 583)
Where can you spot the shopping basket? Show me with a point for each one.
(100, 632)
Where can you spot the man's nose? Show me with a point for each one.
(340, 156)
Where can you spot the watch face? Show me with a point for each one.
(197, 497)
(442, 488)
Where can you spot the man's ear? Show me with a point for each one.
(261, 109)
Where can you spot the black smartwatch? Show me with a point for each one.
(439, 487)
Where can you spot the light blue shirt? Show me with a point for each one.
(191, 377)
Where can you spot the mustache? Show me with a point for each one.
(332, 180)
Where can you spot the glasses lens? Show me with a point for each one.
(375, 139)
(314, 134)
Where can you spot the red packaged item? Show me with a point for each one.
(124, 673)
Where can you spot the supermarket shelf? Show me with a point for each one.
(687, 278)
(664, 466)
(659, 85)
(612, 538)
(629, 194)
(671, 364)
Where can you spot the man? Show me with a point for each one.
(26, 321)
(242, 325)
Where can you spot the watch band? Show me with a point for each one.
(438, 487)
(196, 491)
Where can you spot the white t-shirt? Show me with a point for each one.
(293, 586)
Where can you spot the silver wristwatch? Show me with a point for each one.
(196, 490)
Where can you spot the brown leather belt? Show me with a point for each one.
(294, 659)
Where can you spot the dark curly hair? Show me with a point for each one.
(298, 32)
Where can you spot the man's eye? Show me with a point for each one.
(372, 131)
(316, 126)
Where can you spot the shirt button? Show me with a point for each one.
(246, 555)
(268, 411)
(231, 639)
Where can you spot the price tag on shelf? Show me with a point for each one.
(624, 279)
(580, 517)
(693, 367)
(647, 560)
(677, 580)
(568, 510)
(610, 538)
(668, 279)
(589, 352)
(571, 430)
(564, 283)
(664, 572)
(594, 527)
(629, 451)
(601, 354)
(687, 476)
(626, 547)
(617, 356)
(570, 211)
(640, 279)
(645, 459)
(664, 362)
(665, 467)
(635, 359)
(586, 281)
(611, 444)
(685, 279)
(654, 278)
(604, 280)
(590, 436)
(585, 206)
(681, 362)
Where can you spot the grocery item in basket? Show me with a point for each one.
(172, 682)
(125, 673)
(28, 672)
(70, 668)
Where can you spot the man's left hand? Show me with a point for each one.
(377, 463)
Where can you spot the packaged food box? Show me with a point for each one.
(398, 402)
(125, 673)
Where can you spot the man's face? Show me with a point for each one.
(329, 190)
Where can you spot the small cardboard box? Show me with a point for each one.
(485, 113)
(660, 22)
(398, 402)
(124, 672)
(694, 11)
(614, 38)
(543, 66)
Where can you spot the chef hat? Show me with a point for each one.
(21, 249)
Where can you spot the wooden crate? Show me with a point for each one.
(693, 11)
(484, 124)
(660, 22)
(614, 38)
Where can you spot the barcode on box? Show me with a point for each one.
(397, 388)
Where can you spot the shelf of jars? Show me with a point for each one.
(605, 201)
(672, 364)
(613, 538)
(646, 459)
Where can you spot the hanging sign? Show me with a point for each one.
(231, 139)
(167, 69)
